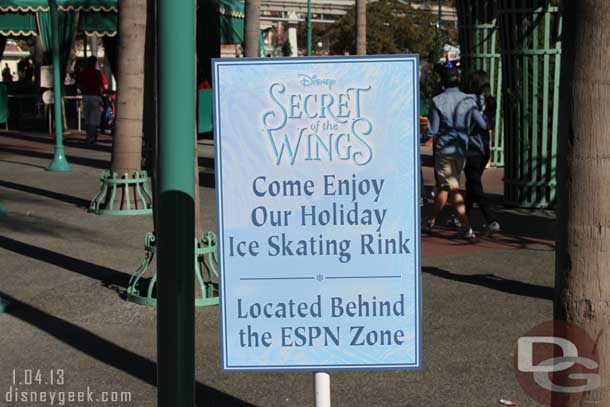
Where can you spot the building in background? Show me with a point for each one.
(280, 19)
(12, 55)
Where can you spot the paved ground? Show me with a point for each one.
(65, 270)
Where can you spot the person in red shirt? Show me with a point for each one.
(92, 84)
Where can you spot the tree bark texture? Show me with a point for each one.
(252, 27)
(582, 279)
(127, 146)
(128, 135)
(361, 27)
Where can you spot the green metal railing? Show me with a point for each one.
(136, 198)
(479, 49)
(3, 305)
(531, 54)
(142, 289)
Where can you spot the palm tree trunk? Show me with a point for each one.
(583, 256)
(127, 145)
(361, 27)
(252, 27)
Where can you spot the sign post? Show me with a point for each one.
(176, 205)
(321, 389)
(318, 214)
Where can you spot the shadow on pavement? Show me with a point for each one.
(206, 172)
(107, 352)
(207, 180)
(80, 202)
(495, 283)
(32, 224)
(25, 164)
(206, 162)
(534, 224)
(519, 224)
(87, 162)
(107, 276)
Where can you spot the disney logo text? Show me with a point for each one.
(307, 80)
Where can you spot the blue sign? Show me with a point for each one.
(317, 165)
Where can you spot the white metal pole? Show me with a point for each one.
(321, 389)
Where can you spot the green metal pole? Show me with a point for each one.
(309, 28)
(176, 226)
(59, 162)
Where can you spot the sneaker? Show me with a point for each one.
(494, 227)
(466, 234)
(453, 221)
(427, 226)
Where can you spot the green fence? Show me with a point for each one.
(531, 52)
(479, 46)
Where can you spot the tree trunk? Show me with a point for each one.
(252, 27)
(582, 293)
(127, 143)
(361, 27)
(127, 146)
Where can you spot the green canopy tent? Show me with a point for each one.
(32, 17)
(220, 22)
(18, 23)
(231, 21)
(55, 21)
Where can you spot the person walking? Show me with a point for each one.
(451, 117)
(479, 152)
(92, 83)
(6, 74)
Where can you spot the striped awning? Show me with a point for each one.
(18, 23)
(99, 24)
(231, 8)
(64, 5)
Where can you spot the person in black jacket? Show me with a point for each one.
(478, 152)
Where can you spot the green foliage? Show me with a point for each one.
(27, 44)
(392, 28)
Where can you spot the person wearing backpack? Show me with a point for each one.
(452, 114)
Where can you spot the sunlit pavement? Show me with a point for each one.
(64, 271)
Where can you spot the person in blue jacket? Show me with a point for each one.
(451, 118)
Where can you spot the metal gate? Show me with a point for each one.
(479, 49)
(531, 53)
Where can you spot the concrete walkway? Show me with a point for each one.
(64, 271)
